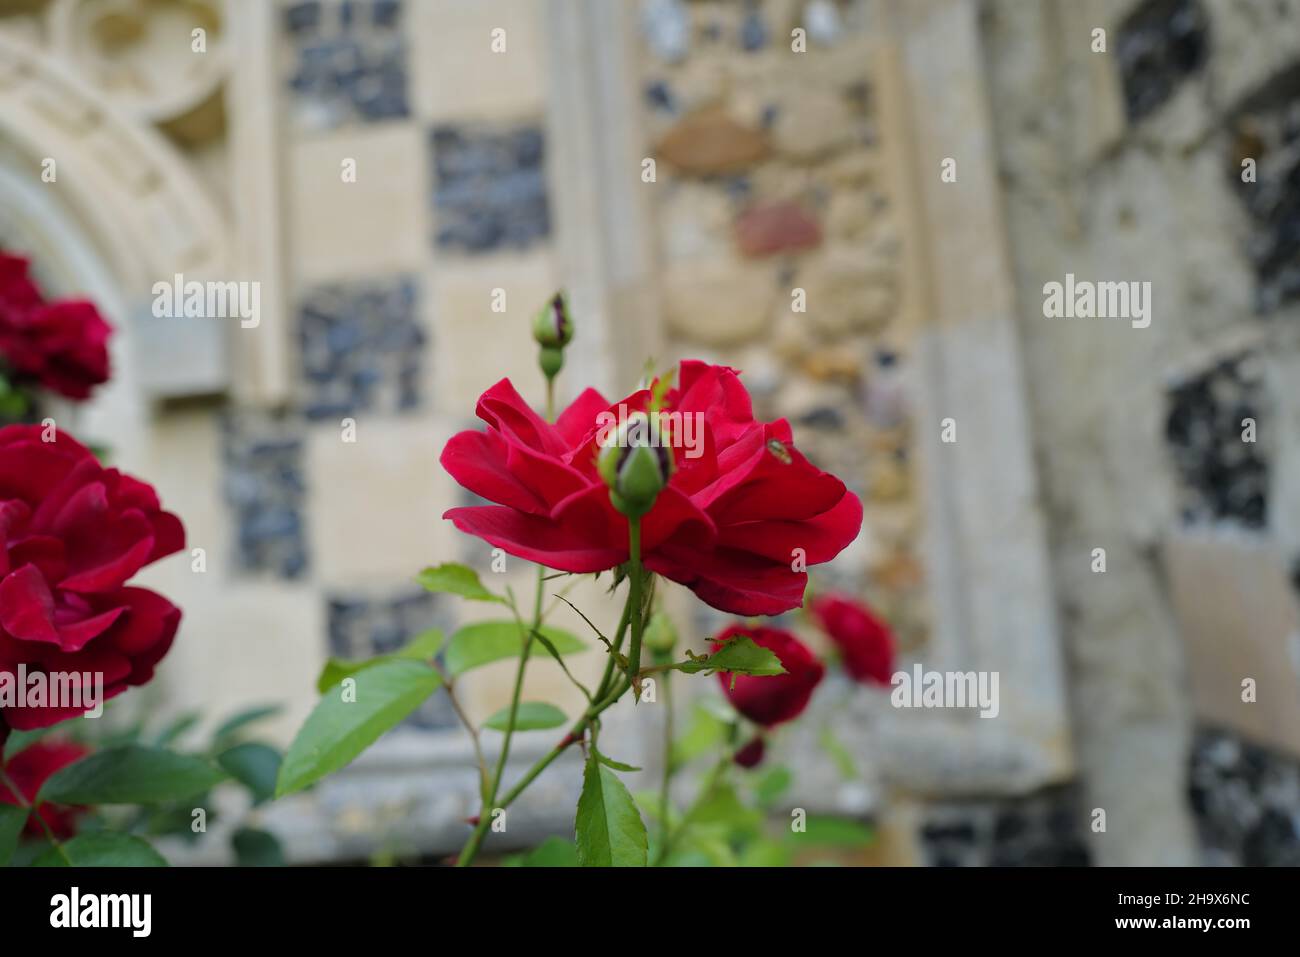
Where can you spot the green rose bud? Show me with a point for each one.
(635, 464)
(660, 635)
(551, 360)
(553, 326)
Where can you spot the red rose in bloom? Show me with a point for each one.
(72, 533)
(865, 642)
(739, 502)
(772, 699)
(28, 770)
(61, 346)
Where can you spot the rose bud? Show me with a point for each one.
(772, 699)
(635, 465)
(865, 643)
(751, 755)
(553, 330)
(553, 326)
(660, 635)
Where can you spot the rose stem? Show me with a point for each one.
(667, 758)
(634, 600)
(471, 847)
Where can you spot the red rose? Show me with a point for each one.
(18, 294)
(772, 699)
(740, 502)
(73, 533)
(28, 770)
(751, 755)
(61, 346)
(865, 642)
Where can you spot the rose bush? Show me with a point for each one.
(60, 346)
(676, 482)
(72, 534)
(735, 524)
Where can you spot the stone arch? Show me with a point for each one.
(145, 211)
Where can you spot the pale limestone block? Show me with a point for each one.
(455, 73)
(376, 504)
(1227, 583)
(376, 225)
(695, 221)
(718, 302)
(246, 644)
(475, 347)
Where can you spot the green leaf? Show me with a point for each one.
(341, 727)
(256, 848)
(650, 803)
(723, 808)
(457, 580)
(822, 831)
(423, 647)
(609, 829)
(738, 656)
(12, 819)
(486, 641)
(13, 401)
(241, 720)
(765, 853)
(555, 656)
(130, 774)
(703, 846)
(254, 765)
(177, 728)
(532, 716)
(552, 852)
(611, 763)
(839, 754)
(705, 732)
(21, 740)
(772, 784)
(102, 849)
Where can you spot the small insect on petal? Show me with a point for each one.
(778, 449)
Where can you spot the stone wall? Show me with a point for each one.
(1126, 165)
(779, 249)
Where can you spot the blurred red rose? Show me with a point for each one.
(60, 346)
(772, 699)
(72, 533)
(865, 642)
(751, 755)
(28, 770)
(741, 505)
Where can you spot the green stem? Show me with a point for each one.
(603, 701)
(574, 735)
(612, 663)
(706, 792)
(634, 602)
(667, 757)
(471, 848)
(484, 778)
